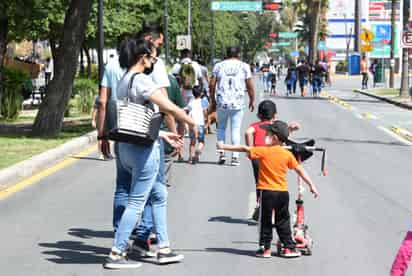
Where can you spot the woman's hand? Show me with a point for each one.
(171, 138)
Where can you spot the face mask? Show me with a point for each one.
(268, 140)
(149, 70)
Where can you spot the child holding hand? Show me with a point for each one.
(274, 161)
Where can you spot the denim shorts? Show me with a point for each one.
(200, 134)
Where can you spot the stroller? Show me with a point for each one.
(302, 152)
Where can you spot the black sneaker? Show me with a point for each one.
(142, 249)
(119, 261)
(167, 256)
(222, 159)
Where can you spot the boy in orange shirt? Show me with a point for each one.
(274, 161)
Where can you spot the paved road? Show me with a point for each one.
(62, 225)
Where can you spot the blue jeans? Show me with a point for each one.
(235, 116)
(154, 217)
(138, 171)
(317, 84)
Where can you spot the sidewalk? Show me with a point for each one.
(389, 97)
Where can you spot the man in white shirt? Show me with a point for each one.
(230, 80)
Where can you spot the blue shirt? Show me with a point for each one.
(113, 73)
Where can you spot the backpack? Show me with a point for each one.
(187, 76)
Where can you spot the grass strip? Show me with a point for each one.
(16, 148)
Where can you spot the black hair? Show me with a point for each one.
(233, 52)
(132, 49)
(185, 53)
(197, 91)
(266, 110)
(152, 29)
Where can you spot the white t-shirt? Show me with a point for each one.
(142, 88)
(159, 74)
(196, 109)
(196, 68)
(231, 76)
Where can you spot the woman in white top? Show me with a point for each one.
(140, 166)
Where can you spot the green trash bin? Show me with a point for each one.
(380, 72)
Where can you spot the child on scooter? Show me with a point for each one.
(255, 136)
(274, 161)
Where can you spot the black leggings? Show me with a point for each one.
(279, 202)
(365, 79)
(255, 166)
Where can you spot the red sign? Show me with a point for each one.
(376, 6)
(273, 35)
(272, 6)
(407, 39)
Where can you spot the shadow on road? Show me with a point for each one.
(235, 251)
(227, 219)
(214, 163)
(74, 252)
(89, 234)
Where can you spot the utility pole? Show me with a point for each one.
(100, 37)
(212, 38)
(392, 56)
(358, 23)
(189, 20)
(404, 92)
(166, 23)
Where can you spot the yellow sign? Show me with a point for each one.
(367, 36)
(366, 48)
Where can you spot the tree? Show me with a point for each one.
(14, 18)
(66, 51)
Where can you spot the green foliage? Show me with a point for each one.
(84, 91)
(12, 98)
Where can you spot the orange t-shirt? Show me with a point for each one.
(273, 164)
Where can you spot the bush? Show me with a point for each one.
(85, 91)
(12, 98)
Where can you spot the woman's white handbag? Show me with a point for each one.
(136, 123)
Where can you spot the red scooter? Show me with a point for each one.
(304, 243)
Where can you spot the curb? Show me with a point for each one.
(11, 175)
(406, 106)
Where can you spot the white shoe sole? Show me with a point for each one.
(121, 266)
(176, 259)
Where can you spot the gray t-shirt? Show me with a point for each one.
(142, 88)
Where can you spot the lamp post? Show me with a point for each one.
(100, 36)
(166, 23)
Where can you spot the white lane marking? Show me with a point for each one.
(390, 133)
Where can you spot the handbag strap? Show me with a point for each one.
(129, 88)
